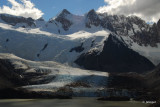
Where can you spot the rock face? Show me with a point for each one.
(115, 57)
(92, 19)
(132, 26)
(8, 77)
(13, 20)
(12, 75)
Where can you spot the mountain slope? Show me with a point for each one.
(49, 47)
(153, 78)
(115, 57)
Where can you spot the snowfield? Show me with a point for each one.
(49, 47)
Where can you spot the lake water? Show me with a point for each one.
(75, 102)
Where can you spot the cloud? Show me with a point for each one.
(24, 8)
(148, 10)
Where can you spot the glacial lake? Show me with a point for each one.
(75, 102)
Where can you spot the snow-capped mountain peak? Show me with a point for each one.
(64, 18)
(64, 13)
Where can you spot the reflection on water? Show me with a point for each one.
(75, 102)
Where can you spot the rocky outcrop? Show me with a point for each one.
(13, 20)
(77, 49)
(115, 57)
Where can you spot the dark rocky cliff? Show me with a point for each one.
(115, 57)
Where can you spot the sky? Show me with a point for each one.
(51, 8)
(149, 10)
